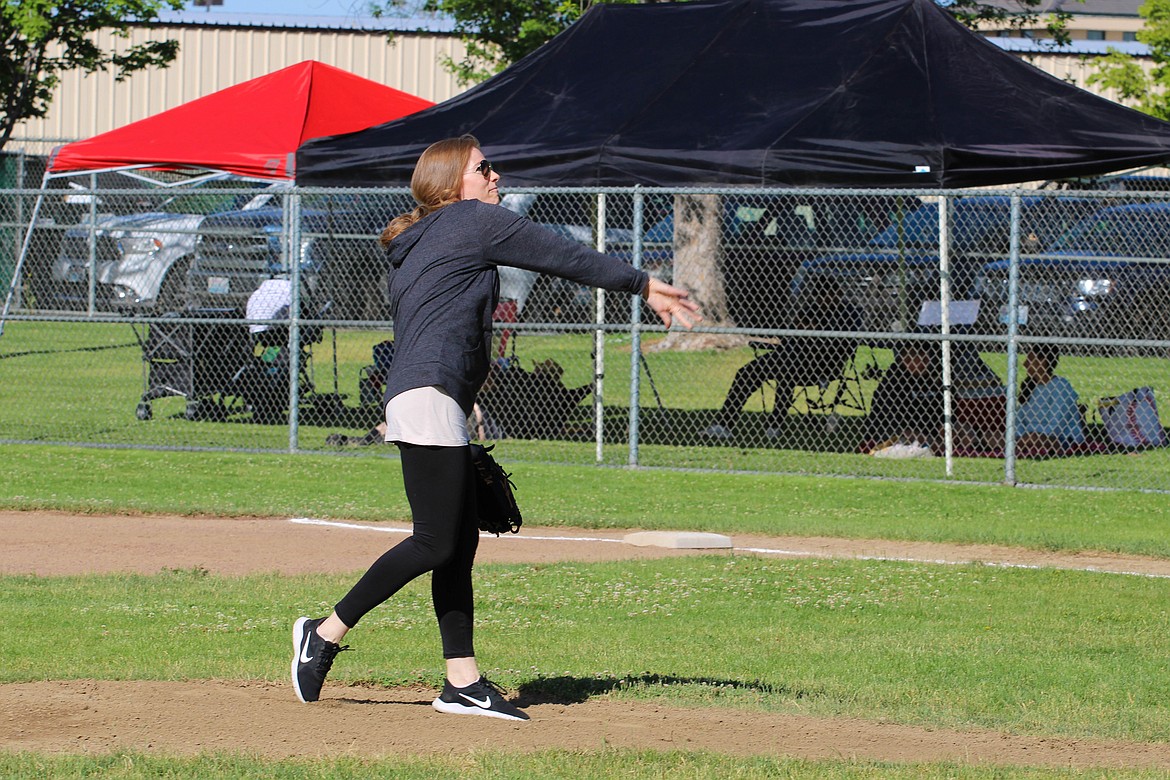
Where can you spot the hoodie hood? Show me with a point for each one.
(405, 241)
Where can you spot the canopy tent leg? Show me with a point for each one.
(24, 246)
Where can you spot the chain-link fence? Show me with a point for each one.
(1014, 335)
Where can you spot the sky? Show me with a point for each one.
(346, 8)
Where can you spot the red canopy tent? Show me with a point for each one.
(251, 129)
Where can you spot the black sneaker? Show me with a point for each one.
(482, 697)
(312, 658)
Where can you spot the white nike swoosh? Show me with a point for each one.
(485, 704)
(304, 650)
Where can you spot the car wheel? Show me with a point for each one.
(1149, 317)
(172, 295)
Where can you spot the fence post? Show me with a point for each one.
(599, 344)
(91, 286)
(944, 305)
(19, 211)
(1009, 429)
(291, 218)
(636, 335)
(25, 245)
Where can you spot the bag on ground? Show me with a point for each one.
(1131, 419)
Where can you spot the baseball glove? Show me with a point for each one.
(498, 512)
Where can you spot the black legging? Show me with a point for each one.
(797, 362)
(770, 366)
(440, 489)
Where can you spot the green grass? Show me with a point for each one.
(604, 764)
(80, 382)
(240, 484)
(1051, 653)
(1074, 654)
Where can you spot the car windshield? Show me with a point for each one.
(217, 198)
(983, 225)
(1122, 232)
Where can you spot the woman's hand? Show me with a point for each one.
(671, 304)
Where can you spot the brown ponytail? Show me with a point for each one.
(437, 182)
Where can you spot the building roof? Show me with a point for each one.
(1077, 46)
(1075, 7)
(213, 18)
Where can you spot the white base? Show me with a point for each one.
(681, 540)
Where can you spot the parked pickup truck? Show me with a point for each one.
(342, 264)
(1106, 277)
(141, 258)
(901, 267)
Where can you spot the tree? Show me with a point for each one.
(497, 34)
(1021, 16)
(43, 38)
(1146, 91)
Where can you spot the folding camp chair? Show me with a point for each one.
(831, 392)
(832, 395)
(193, 360)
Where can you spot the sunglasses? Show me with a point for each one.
(484, 169)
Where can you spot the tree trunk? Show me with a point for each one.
(698, 268)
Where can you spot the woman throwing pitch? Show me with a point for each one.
(443, 290)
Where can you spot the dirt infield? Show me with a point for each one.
(265, 719)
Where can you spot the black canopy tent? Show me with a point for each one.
(828, 93)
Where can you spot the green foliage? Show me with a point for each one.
(1017, 15)
(500, 32)
(43, 38)
(497, 34)
(605, 763)
(1134, 86)
(1148, 92)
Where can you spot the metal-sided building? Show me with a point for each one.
(219, 49)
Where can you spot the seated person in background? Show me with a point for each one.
(1048, 417)
(795, 362)
(979, 402)
(516, 403)
(907, 405)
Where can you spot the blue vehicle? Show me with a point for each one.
(761, 239)
(900, 267)
(341, 262)
(1106, 277)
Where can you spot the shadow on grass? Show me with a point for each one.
(324, 409)
(576, 690)
(812, 432)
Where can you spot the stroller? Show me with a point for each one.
(197, 361)
(226, 368)
(263, 379)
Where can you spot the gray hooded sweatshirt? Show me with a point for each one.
(444, 288)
